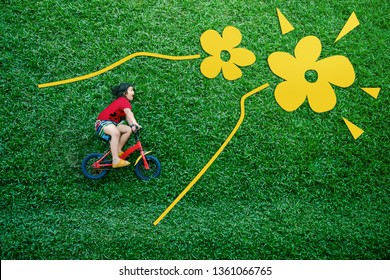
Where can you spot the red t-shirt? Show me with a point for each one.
(115, 111)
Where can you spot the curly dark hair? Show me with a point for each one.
(120, 89)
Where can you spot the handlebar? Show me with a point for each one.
(136, 132)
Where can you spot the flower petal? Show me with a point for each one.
(308, 50)
(290, 95)
(231, 37)
(231, 71)
(321, 97)
(242, 57)
(211, 42)
(211, 66)
(337, 70)
(284, 65)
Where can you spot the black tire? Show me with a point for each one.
(89, 171)
(153, 172)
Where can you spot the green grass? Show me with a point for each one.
(288, 185)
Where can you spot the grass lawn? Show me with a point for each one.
(289, 185)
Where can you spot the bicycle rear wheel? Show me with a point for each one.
(89, 171)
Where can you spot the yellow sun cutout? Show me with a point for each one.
(296, 87)
(305, 76)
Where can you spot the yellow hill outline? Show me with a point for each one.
(123, 60)
(211, 161)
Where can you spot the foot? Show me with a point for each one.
(120, 153)
(120, 163)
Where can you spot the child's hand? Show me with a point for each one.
(135, 127)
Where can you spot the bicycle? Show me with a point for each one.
(96, 165)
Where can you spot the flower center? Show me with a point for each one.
(225, 55)
(311, 76)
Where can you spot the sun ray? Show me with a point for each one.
(355, 130)
(374, 92)
(285, 25)
(351, 24)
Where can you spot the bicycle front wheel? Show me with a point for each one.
(147, 174)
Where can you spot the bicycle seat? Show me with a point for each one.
(105, 138)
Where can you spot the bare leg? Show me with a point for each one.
(115, 134)
(125, 131)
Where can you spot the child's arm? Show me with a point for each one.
(130, 117)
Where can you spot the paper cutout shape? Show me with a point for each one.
(215, 45)
(285, 25)
(374, 92)
(355, 130)
(123, 60)
(215, 156)
(211, 42)
(351, 24)
(292, 93)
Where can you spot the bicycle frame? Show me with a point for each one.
(136, 147)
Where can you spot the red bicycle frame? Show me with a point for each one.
(136, 147)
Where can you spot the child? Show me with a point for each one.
(111, 122)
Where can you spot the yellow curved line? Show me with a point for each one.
(123, 60)
(204, 169)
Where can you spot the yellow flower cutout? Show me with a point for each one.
(306, 76)
(224, 54)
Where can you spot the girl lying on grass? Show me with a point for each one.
(117, 122)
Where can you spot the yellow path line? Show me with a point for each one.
(123, 60)
(200, 174)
